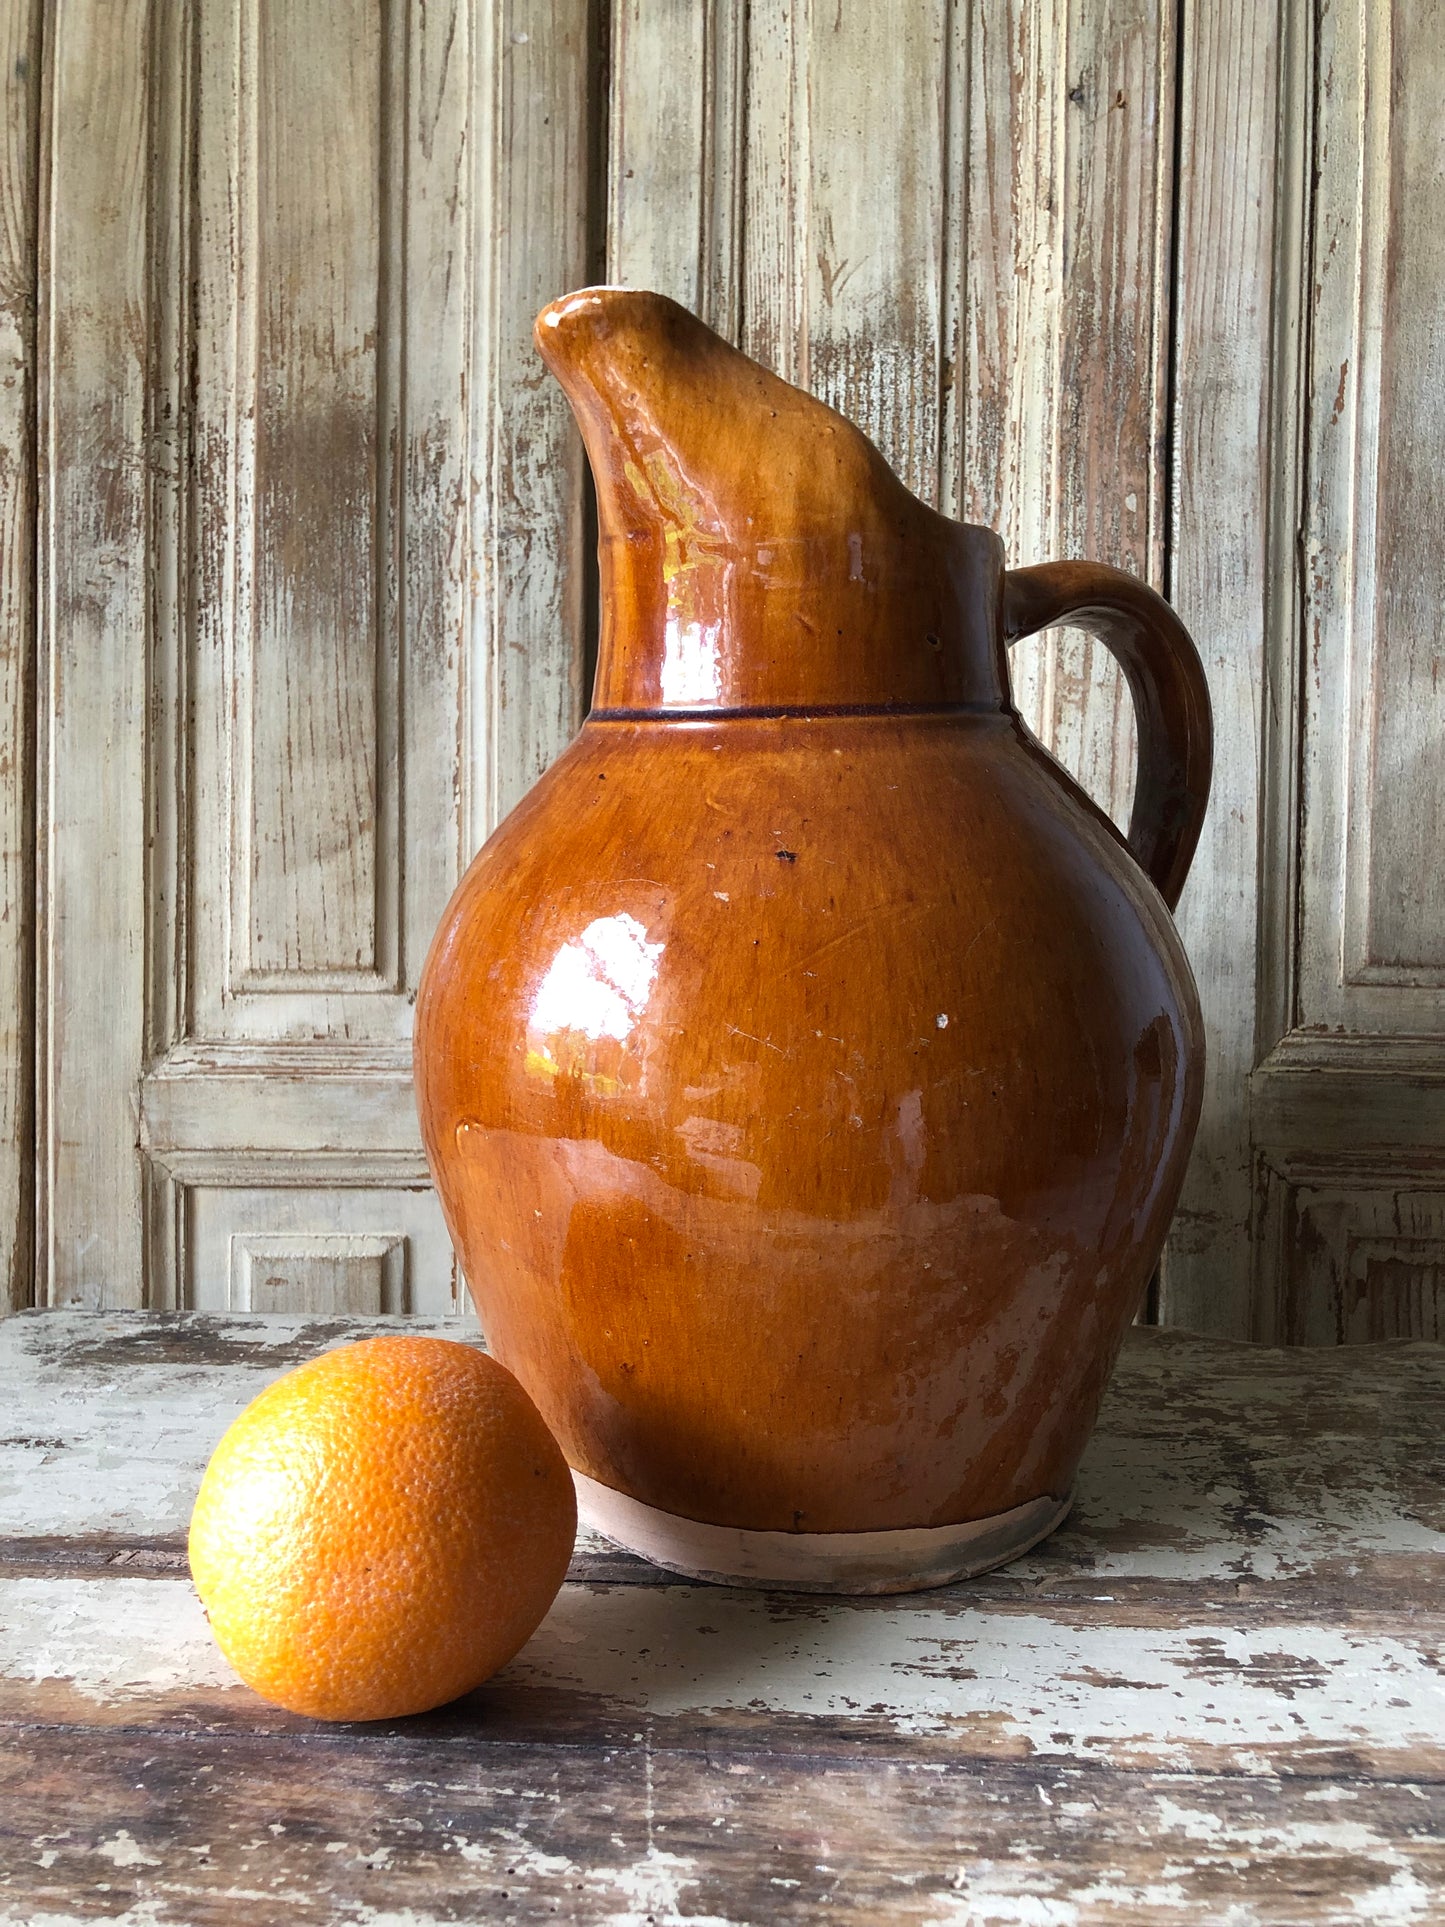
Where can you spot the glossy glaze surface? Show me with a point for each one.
(807, 1069)
(808, 1099)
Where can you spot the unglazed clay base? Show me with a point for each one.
(842, 1562)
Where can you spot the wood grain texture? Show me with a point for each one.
(986, 295)
(20, 85)
(1347, 1099)
(348, 630)
(1214, 1694)
(1371, 957)
(973, 228)
(676, 132)
(224, 570)
(1217, 1468)
(317, 764)
(641, 1831)
(1230, 536)
(1060, 383)
(534, 176)
(843, 265)
(94, 598)
(1357, 1248)
(322, 101)
(871, 256)
(734, 187)
(1395, 889)
(339, 1273)
(318, 1229)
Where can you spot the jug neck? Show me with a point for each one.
(756, 551)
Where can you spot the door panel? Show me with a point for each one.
(300, 515)
(19, 172)
(1231, 553)
(314, 598)
(308, 285)
(1350, 1100)
(95, 615)
(1372, 952)
(317, 1248)
(309, 907)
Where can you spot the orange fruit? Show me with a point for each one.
(382, 1529)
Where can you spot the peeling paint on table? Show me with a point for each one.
(1216, 1695)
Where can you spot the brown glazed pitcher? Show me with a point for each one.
(808, 1068)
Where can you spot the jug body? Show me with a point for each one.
(808, 1087)
(808, 1100)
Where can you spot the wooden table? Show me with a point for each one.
(1215, 1696)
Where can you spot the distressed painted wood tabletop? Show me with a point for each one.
(1217, 1695)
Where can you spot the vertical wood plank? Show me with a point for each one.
(1113, 364)
(537, 79)
(322, 727)
(1231, 549)
(774, 324)
(675, 162)
(1395, 904)
(847, 193)
(445, 192)
(94, 601)
(1007, 392)
(876, 200)
(391, 125)
(1003, 173)
(1371, 956)
(1340, 423)
(432, 592)
(170, 406)
(1394, 936)
(1062, 398)
(318, 159)
(19, 173)
(1352, 1007)
(656, 192)
(299, 136)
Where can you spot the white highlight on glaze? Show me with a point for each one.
(600, 984)
(717, 1146)
(691, 669)
(576, 303)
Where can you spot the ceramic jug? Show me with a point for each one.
(807, 1067)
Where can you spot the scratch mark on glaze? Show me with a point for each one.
(766, 1042)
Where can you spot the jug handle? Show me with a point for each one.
(1166, 680)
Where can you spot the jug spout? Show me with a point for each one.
(756, 550)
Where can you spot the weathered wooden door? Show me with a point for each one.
(309, 610)
(1150, 283)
